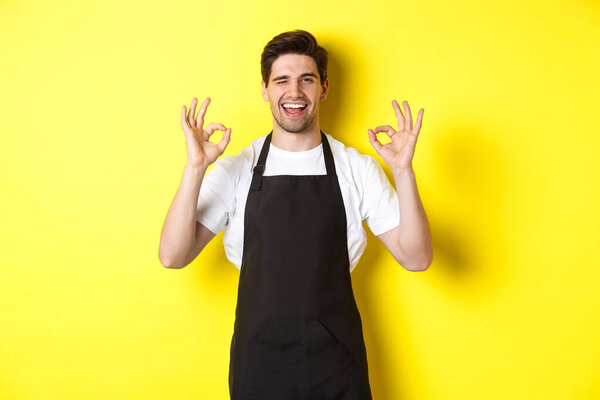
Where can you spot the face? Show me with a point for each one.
(295, 82)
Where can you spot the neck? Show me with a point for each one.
(301, 141)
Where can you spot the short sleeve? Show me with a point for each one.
(216, 200)
(379, 206)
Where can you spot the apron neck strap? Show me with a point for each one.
(259, 168)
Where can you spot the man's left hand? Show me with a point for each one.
(398, 153)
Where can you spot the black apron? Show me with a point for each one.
(298, 332)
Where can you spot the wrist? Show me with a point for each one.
(196, 169)
(402, 170)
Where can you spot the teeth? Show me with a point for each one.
(294, 105)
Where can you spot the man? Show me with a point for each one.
(293, 202)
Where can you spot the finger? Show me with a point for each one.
(408, 121)
(399, 115)
(184, 121)
(190, 116)
(202, 112)
(225, 140)
(385, 128)
(417, 127)
(210, 128)
(374, 141)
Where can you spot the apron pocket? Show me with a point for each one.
(332, 366)
(272, 364)
(293, 358)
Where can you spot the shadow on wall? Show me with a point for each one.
(383, 385)
(474, 193)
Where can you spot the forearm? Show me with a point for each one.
(179, 228)
(414, 238)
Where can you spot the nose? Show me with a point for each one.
(294, 89)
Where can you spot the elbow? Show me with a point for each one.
(169, 262)
(414, 259)
(172, 266)
(425, 266)
(420, 268)
(419, 265)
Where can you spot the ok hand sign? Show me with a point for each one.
(398, 153)
(200, 150)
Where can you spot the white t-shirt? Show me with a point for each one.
(366, 191)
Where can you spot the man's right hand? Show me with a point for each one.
(200, 150)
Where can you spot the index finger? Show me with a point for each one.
(202, 112)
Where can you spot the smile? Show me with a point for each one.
(294, 109)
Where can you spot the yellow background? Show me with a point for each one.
(507, 166)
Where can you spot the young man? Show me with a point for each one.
(293, 202)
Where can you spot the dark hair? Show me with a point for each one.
(295, 42)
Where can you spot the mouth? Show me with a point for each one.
(294, 109)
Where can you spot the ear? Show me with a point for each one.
(324, 89)
(265, 95)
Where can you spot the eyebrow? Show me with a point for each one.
(301, 76)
